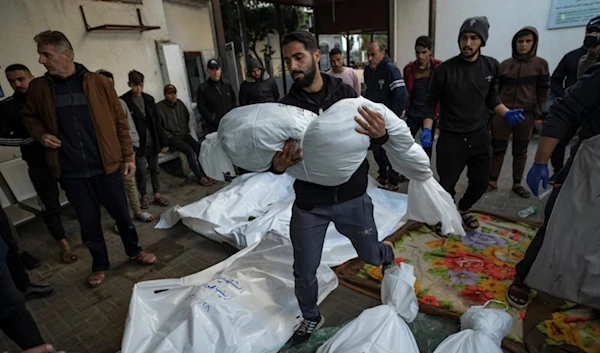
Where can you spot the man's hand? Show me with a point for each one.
(129, 169)
(426, 138)
(51, 141)
(288, 157)
(514, 116)
(538, 173)
(372, 124)
(164, 150)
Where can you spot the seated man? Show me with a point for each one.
(175, 118)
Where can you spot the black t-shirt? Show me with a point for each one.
(318, 97)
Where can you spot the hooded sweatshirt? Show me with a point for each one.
(254, 91)
(525, 79)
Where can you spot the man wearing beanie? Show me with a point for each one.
(417, 76)
(466, 87)
(524, 83)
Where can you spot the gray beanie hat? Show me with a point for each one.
(478, 25)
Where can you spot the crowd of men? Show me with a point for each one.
(75, 132)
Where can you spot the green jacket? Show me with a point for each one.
(175, 117)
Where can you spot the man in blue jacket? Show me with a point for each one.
(385, 85)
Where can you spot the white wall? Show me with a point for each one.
(412, 21)
(189, 26)
(118, 52)
(506, 18)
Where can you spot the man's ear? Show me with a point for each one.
(317, 55)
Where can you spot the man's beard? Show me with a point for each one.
(309, 75)
(469, 56)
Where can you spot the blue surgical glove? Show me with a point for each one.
(426, 138)
(514, 116)
(537, 173)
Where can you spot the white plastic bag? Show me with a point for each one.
(244, 304)
(482, 331)
(382, 329)
(213, 159)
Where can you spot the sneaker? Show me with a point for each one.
(306, 329)
(35, 291)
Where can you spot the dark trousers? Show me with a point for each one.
(15, 320)
(521, 135)
(13, 260)
(524, 266)
(354, 219)
(457, 151)
(558, 155)
(140, 173)
(191, 148)
(417, 124)
(385, 168)
(46, 187)
(86, 195)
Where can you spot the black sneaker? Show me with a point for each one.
(29, 261)
(35, 291)
(306, 329)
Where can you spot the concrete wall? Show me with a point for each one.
(189, 26)
(506, 18)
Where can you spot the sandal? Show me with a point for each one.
(518, 294)
(144, 258)
(390, 187)
(161, 202)
(96, 279)
(469, 221)
(437, 229)
(381, 180)
(521, 192)
(145, 217)
(144, 204)
(67, 257)
(491, 188)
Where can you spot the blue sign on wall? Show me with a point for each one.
(572, 13)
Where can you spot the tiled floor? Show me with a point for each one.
(78, 319)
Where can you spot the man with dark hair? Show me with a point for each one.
(131, 188)
(153, 139)
(417, 76)
(175, 120)
(215, 97)
(466, 86)
(347, 205)
(565, 76)
(259, 87)
(347, 74)
(385, 85)
(524, 82)
(67, 111)
(14, 133)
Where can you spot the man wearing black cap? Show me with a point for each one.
(175, 119)
(466, 86)
(215, 97)
(565, 76)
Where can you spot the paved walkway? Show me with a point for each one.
(79, 319)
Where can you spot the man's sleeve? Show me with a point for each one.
(162, 133)
(243, 94)
(31, 117)
(202, 104)
(275, 90)
(542, 89)
(557, 82)
(398, 90)
(492, 100)
(356, 82)
(133, 133)
(162, 122)
(578, 105)
(234, 102)
(433, 95)
(121, 122)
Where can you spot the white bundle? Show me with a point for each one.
(384, 328)
(482, 331)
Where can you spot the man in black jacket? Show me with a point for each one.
(259, 87)
(215, 97)
(153, 139)
(14, 133)
(347, 205)
(565, 76)
(466, 87)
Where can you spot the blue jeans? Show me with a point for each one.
(354, 219)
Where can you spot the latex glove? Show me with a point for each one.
(514, 116)
(537, 173)
(426, 138)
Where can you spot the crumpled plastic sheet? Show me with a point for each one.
(256, 203)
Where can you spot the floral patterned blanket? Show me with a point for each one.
(455, 273)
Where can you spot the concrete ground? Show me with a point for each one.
(79, 319)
